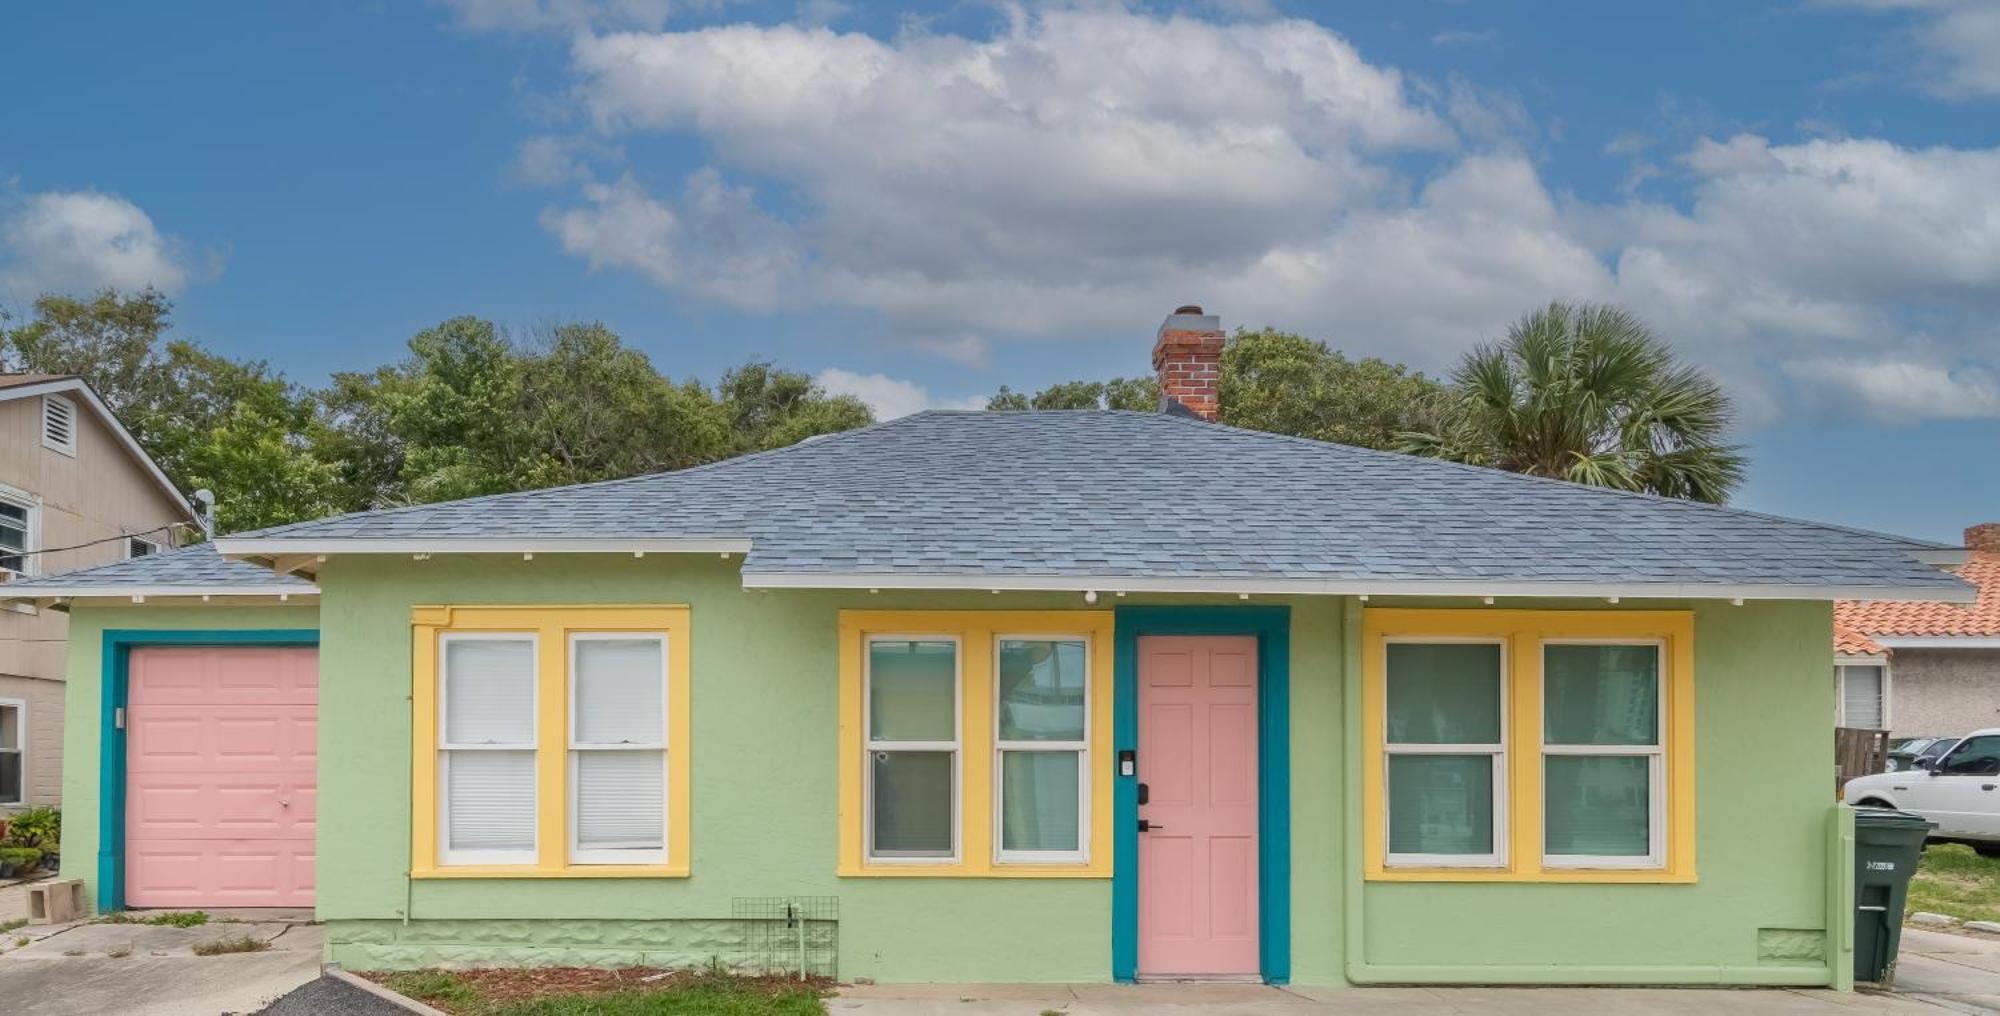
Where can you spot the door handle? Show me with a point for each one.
(1988, 786)
(284, 803)
(1145, 826)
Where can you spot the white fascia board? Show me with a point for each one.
(1350, 587)
(126, 592)
(110, 419)
(242, 547)
(1936, 641)
(1864, 660)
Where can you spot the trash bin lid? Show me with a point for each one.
(1888, 818)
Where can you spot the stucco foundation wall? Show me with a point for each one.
(83, 716)
(764, 788)
(1943, 692)
(44, 701)
(1758, 912)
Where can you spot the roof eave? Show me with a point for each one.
(272, 547)
(1289, 585)
(142, 592)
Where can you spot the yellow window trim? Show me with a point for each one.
(553, 625)
(1524, 632)
(976, 631)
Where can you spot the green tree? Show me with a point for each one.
(235, 427)
(1288, 384)
(1586, 393)
(1139, 394)
(770, 408)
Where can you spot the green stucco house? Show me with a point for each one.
(1040, 696)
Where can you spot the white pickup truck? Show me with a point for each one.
(1960, 792)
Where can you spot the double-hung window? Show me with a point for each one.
(13, 751)
(913, 748)
(1603, 755)
(1043, 734)
(486, 749)
(618, 748)
(17, 518)
(973, 743)
(551, 741)
(1528, 745)
(1446, 744)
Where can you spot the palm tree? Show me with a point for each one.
(1586, 393)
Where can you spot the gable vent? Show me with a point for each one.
(59, 424)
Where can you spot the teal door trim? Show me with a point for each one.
(116, 676)
(1272, 627)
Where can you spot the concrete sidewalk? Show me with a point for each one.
(1962, 970)
(1260, 1000)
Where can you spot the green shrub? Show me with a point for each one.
(35, 827)
(20, 858)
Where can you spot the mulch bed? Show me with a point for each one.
(521, 984)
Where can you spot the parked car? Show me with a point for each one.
(1960, 792)
(1911, 752)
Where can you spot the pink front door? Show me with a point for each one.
(221, 767)
(1198, 761)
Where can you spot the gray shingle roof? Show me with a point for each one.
(192, 569)
(1085, 495)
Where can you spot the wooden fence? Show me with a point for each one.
(1858, 752)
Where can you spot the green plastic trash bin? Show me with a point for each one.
(1887, 845)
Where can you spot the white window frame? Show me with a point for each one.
(20, 707)
(1081, 748)
(869, 746)
(31, 538)
(1497, 858)
(1656, 778)
(69, 406)
(578, 855)
(446, 855)
(1840, 665)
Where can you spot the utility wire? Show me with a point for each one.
(93, 543)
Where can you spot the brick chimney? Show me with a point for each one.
(1984, 537)
(1187, 358)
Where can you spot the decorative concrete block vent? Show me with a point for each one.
(56, 902)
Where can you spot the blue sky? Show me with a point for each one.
(922, 203)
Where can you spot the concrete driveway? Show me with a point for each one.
(141, 970)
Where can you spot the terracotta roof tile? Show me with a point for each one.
(1922, 618)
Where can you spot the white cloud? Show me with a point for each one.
(1900, 391)
(1961, 39)
(887, 396)
(79, 241)
(713, 241)
(1079, 172)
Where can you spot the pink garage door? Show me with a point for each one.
(1198, 760)
(221, 769)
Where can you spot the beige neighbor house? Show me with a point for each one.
(75, 491)
(1922, 668)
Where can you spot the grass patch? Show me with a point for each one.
(436, 987)
(18, 922)
(585, 991)
(234, 944)
(169, 919)
(1954, 881)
